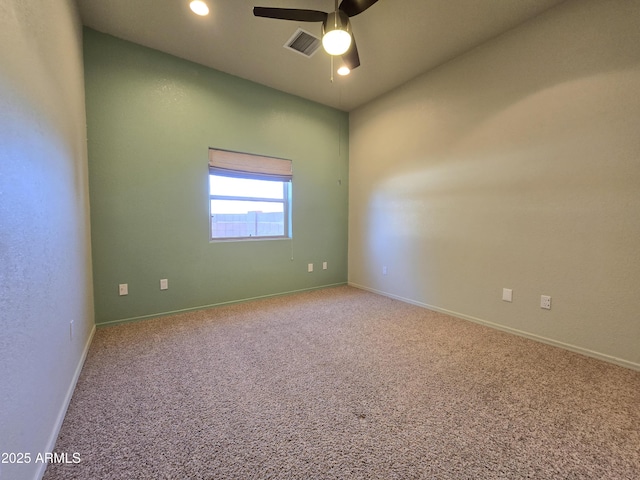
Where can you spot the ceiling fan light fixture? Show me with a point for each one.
(344, 70)
(336, 33)
(199, 7)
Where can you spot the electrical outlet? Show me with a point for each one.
(384, 269)
(164, 284)
(507, 294)
(123, 289)
(310, 267)
(325, 265)
(545, 302)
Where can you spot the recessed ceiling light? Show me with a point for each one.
(199, 7)
(344, 70)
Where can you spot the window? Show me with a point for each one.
(249, 196)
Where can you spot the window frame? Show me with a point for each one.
(285, 201)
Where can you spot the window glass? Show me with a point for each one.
(242, 187)
(248, 207)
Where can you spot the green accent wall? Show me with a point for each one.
(151, 118)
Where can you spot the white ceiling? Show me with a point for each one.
(397, 39)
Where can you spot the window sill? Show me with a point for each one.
(247, 239)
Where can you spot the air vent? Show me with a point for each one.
(303, 43)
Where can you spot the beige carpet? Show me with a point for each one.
(342, 383)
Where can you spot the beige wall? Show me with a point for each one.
(517, 166)
(45, 267)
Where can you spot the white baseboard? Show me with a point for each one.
(549, 341)
(204, 307)
(51, 443)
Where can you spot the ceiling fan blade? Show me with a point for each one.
(355, 7)
(351, 59)
(290, 14)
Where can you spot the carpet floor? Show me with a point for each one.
(341, 383)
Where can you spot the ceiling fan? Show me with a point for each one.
(337, 38)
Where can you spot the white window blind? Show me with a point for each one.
(246, 165)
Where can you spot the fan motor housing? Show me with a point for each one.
(337, 20)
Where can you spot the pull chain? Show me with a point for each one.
(331, 68)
